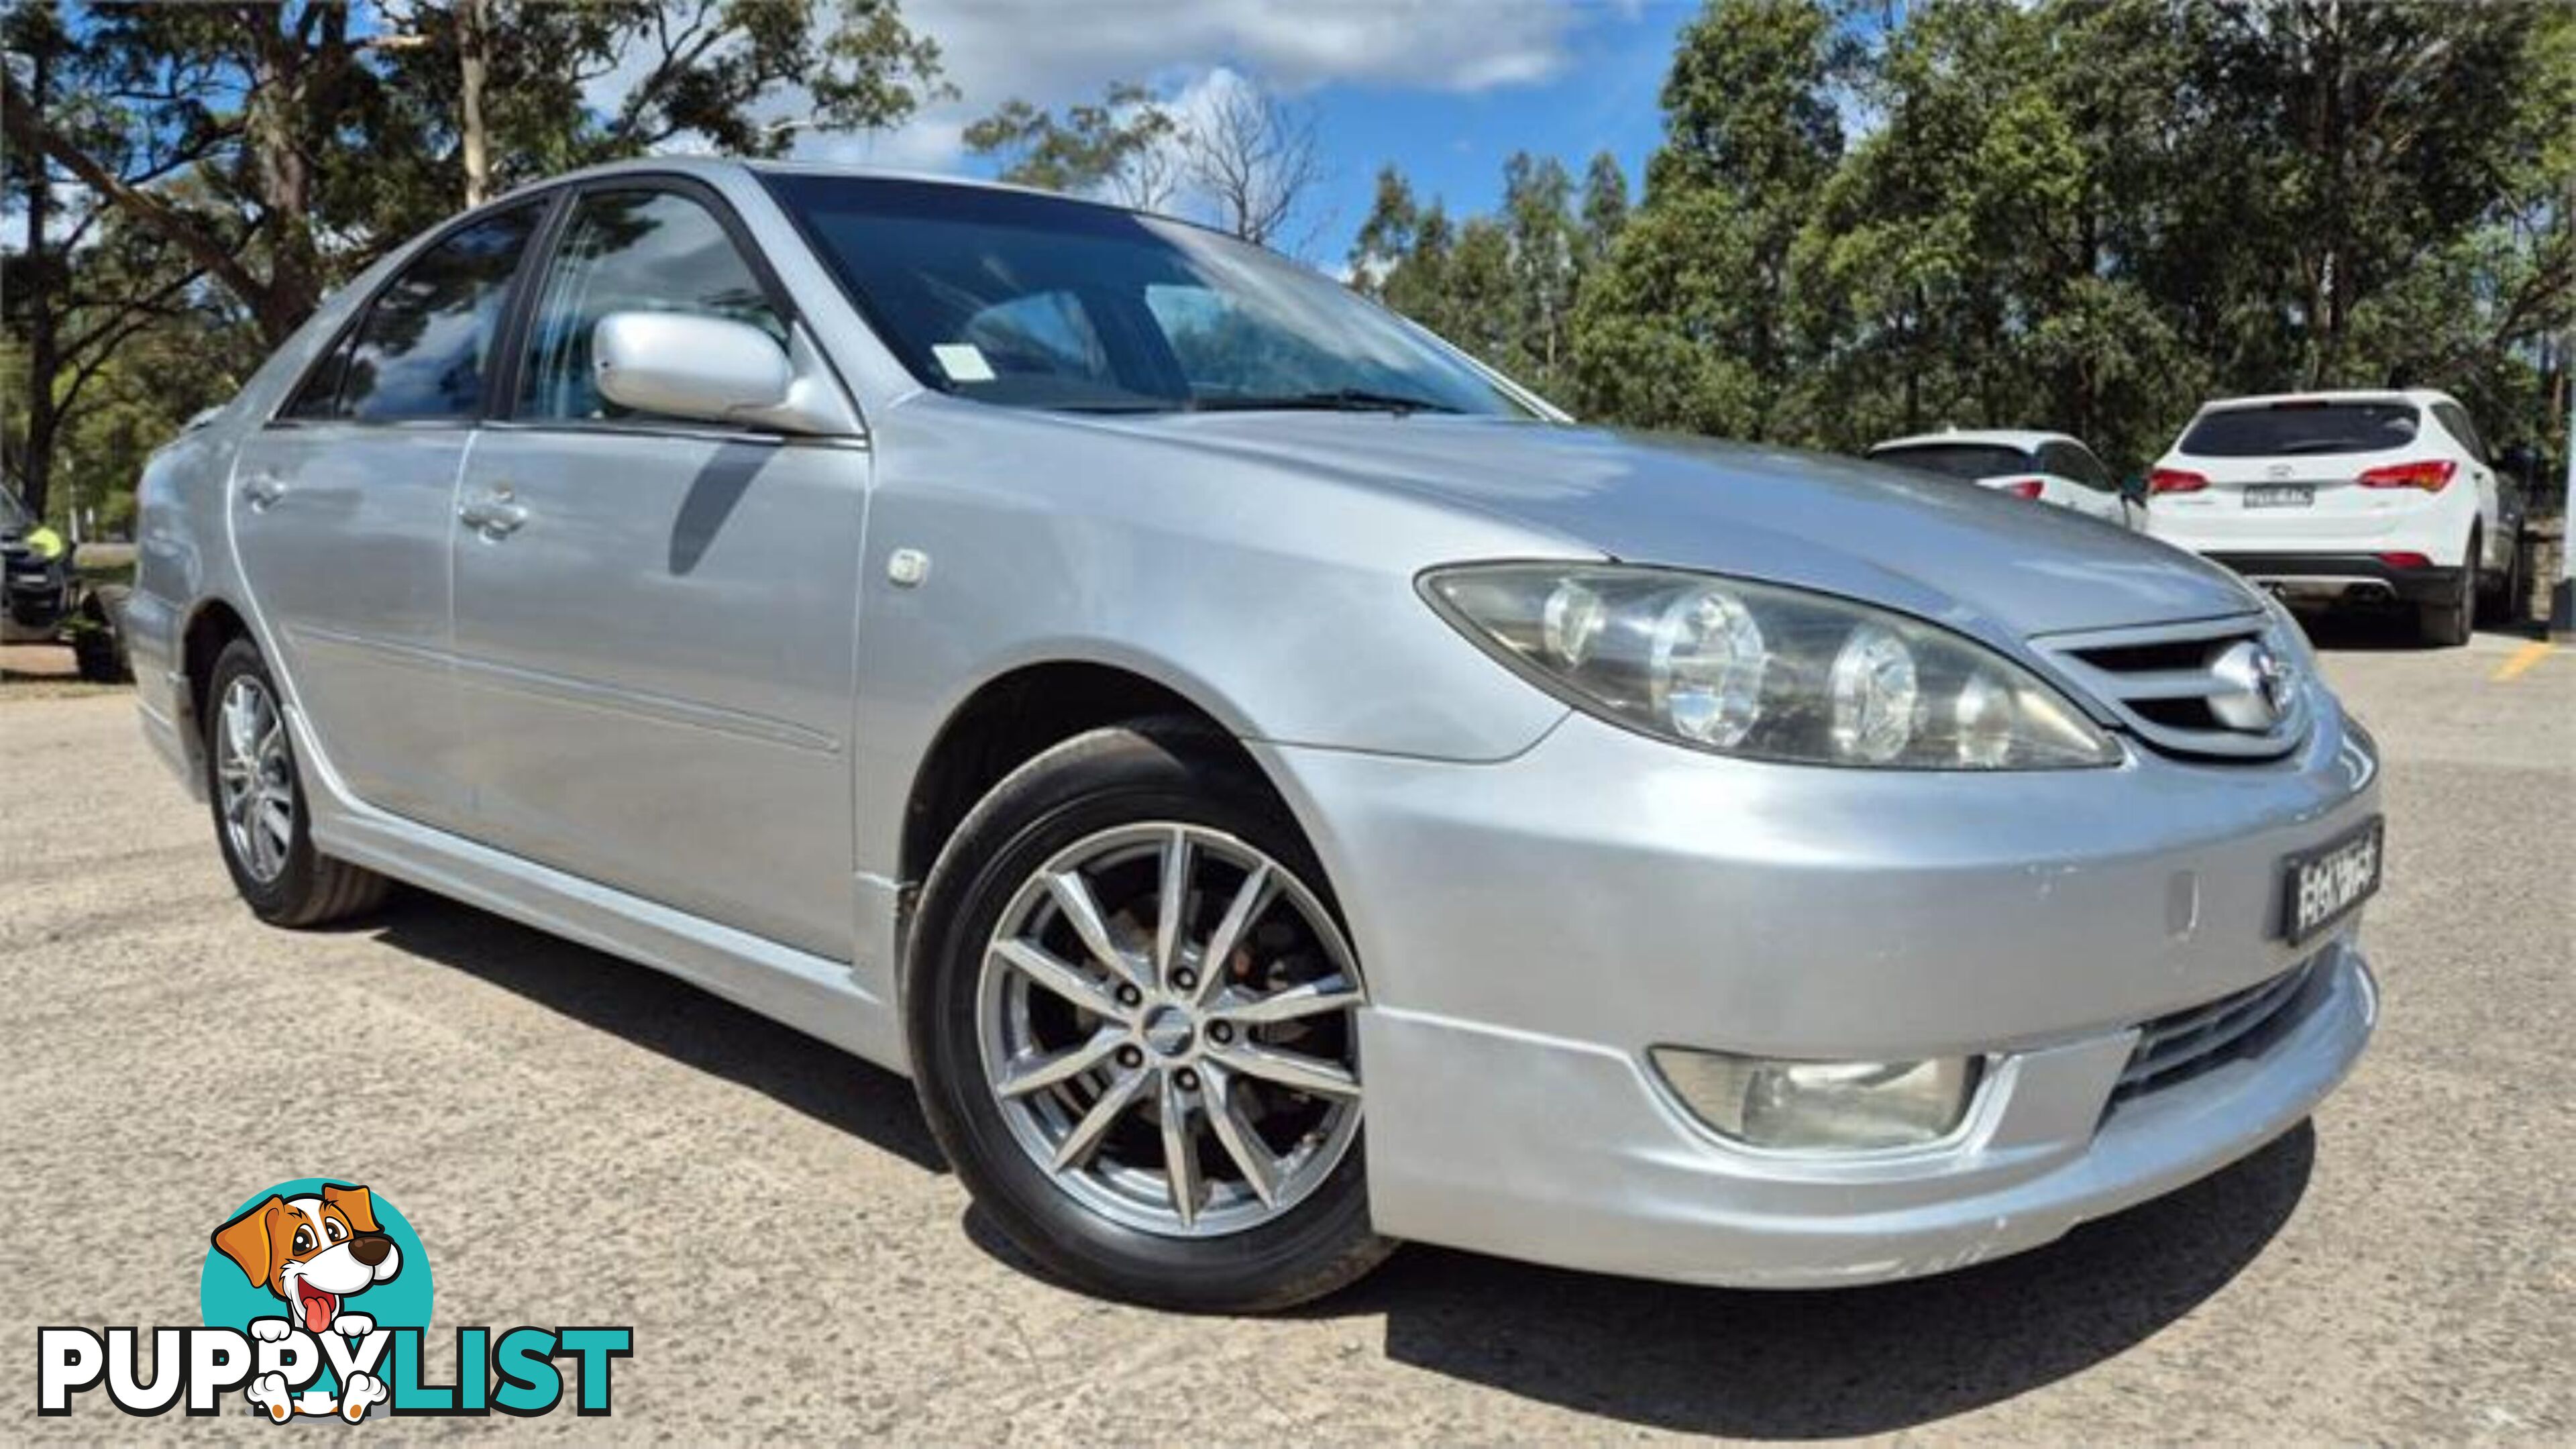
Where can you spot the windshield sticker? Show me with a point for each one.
(962, 361)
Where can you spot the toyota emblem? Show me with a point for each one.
(2259, 686)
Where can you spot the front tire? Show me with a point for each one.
(1133, 1020)
(257, 794)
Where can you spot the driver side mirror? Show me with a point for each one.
(715, 370)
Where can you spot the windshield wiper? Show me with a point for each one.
(1340, 399)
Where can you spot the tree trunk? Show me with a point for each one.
(276, 312)
(474, 56)
(44, 297)
(281, 94)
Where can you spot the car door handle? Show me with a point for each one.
(260, 490)
(494, 517)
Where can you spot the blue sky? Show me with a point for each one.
(1444, 89)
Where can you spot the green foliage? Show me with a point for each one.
(1502, 286)
(1119, 146)
(193, 178)
(1865, 217)
(2084, 214)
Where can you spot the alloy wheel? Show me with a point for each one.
(256, 777)
(1168, 1025)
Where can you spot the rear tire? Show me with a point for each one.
(2446, 624)
(98, 645)
(256, 791)
(1309, 1233)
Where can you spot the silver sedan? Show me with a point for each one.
(1278, 786)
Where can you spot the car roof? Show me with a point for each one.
(2420, 396)
(737, 166)
(2023, 439)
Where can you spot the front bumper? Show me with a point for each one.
(1531, 928)
(2360, 576)
(35, 593)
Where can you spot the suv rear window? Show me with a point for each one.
(2297, 428)
(1965, 461)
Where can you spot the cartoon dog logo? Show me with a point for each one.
(314, 1253)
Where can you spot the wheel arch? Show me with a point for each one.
(1018, 714)
(212, 623)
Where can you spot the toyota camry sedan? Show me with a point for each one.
(1277, 786)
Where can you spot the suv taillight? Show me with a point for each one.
(2175, 480)
(2021, 487)
(2432, 475)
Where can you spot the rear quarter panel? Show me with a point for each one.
(184, 557)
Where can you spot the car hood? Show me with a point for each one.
(1994, 565)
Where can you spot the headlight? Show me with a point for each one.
(1762, 671)
(1821, 1106)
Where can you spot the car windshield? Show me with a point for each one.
(1965, 461)
(1040, 302)
(2290, 428)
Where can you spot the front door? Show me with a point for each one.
(655, 619)
(343, 508)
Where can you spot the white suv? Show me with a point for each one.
(2370, 495)
(2043, 467)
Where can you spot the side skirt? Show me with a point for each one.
(811, 993)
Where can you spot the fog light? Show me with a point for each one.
(1833, 1106)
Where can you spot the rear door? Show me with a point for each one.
(656, 619)
(2078, 480)
(2287, 474)
(342, 507)
(2495, 539)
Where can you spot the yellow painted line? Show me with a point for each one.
(2523, 658)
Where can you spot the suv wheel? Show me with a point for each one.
(98, 639)
(2504, 595)
(261, 824)
(2446, 624)
(1134, 1021)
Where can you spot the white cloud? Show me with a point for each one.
(1053, 52)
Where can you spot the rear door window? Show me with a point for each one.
(2075, 464)
(1967, 462)
(2455, 420)
(320, 395)
(427, 339)
(2303, 428)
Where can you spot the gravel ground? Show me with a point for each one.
(578, 1140)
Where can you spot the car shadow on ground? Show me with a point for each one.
(664, 1014)
(2358, 629)
(1808, 1365)
(1700, 1360)
(1815, 1365)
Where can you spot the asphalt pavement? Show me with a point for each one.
(582, 1141)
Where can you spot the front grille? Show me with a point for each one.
(2190, 689)
(2186, 1042)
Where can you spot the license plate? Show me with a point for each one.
(2280, 495)
(2323, 885)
